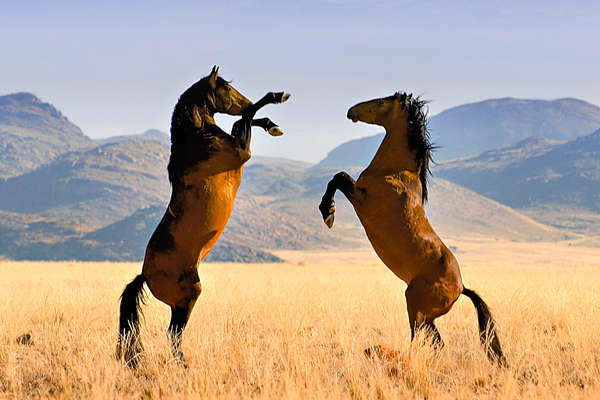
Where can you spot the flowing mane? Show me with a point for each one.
(418, 135)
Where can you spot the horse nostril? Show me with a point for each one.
(353, 115)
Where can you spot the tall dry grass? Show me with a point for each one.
(298, 330)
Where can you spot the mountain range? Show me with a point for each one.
(474, 128)
(100, 200)
(33, 133)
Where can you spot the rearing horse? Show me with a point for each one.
(389, 198)
(205, 171)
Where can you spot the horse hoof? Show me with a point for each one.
(275, 131)
(329, 220)
(284, 97)
(327, 210)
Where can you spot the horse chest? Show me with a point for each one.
(390, 213)
(205, 208)
(212, 201)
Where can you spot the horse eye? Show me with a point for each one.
(227, 88)
(380, 102)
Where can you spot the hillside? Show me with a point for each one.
(124, 240)
(33, 133)
(474, 128)
(534, 174)
(95, 187)
(355, 153)
(454, 212)
(151, 134)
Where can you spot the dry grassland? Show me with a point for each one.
(298, 330)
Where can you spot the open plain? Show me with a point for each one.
(298, 329)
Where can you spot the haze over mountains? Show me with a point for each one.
(66, 196)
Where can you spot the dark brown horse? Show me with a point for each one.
(205, 170)
(389, 198)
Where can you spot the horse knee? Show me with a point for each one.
(189, 284)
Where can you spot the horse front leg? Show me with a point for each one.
(269, 98)
(343, 182)
(241, 128)
(269, 126)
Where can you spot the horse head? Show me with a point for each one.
(216, 95)
(404, 118)
(381, 111)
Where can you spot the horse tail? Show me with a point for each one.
(132, 299)
(487, 328)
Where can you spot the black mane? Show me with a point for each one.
(183, 129)
(418, 136)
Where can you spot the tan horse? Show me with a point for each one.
(205, 170)
(389, 198)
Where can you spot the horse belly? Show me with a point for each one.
(390, 246)
(391, 223)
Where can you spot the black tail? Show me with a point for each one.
(487, 328)
(129, 317)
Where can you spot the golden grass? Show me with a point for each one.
(298, 330)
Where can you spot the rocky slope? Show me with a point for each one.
(33, 133)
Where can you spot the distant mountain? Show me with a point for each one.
(151, 134)
(32, 133)
(94, 187)
(471, 129)
(536, 174)
(457, 212)
(356, 153)
(125, 240)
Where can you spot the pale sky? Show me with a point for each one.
(117, 67)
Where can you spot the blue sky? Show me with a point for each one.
(117, 68)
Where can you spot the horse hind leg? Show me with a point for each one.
(180, 313)
(423, 308)
(179, 318)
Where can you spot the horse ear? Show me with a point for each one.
(212, 78)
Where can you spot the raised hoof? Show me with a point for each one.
(275, 131)
(328, 212)
(329, 220)
(281, 97)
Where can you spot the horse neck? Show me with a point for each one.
(393, 155)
